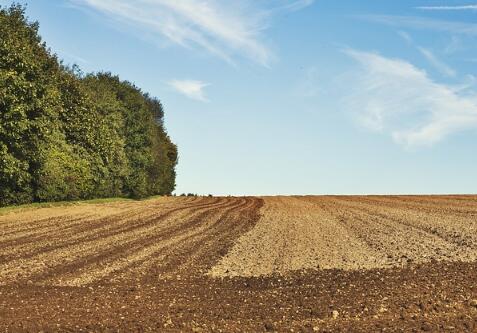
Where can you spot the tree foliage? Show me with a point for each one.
(66, 136)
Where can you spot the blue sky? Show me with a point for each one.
(293, 96)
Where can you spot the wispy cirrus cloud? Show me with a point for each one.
(415, 22)
(296, 5)
(438, 64)
(463, 7)
(442, 67)
(407, 37)
(70, 57)
(192, 89)
(226, 29)
(394, 97)
(455, 45)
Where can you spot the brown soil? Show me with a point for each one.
(363, 264)
(351, 233)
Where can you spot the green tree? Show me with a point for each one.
(66, 136)
(29, 104)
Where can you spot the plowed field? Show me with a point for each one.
(334, 263)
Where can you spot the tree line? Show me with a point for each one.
(65, 135)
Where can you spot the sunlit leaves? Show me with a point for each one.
(66, 136)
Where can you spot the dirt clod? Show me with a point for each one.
(269, 326)
(335, 314)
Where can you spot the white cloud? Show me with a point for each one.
(191, 88)
(394, 97)
(442, 67)
(465, 7)
(437, 63)
(223, 28)
(297, 5)
(404, 35)
(469, 29)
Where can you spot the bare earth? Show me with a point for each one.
(302, 264)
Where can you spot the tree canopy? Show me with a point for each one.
(69, 136)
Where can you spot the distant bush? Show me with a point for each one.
(68, 136)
